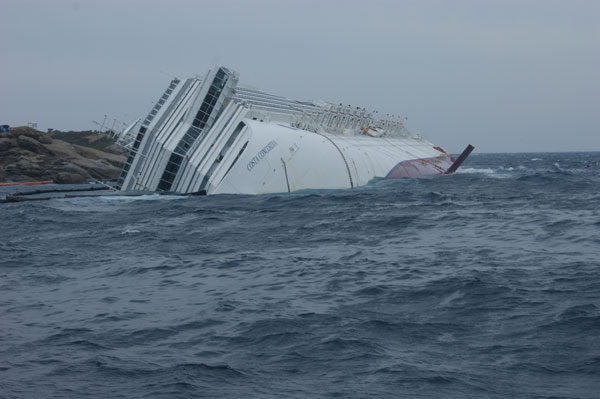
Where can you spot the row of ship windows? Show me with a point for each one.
(183, 146)
(207, 107)
(173, 164)
(210, 100)
(192, 134)
(201, 120)
(157, 107)
(140, 136)
(162, 100)
(186, 142)
(168, 176)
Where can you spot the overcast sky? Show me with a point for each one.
(503, 75)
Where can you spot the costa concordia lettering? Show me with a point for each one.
(214, 136)
(261, 154)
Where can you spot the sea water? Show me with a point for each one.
(485, 283)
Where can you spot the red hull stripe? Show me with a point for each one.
(420, 167)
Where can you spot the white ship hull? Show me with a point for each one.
(210, 136)
(279, 158)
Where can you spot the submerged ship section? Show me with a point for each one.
(211, 135)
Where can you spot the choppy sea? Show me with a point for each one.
(481, 284)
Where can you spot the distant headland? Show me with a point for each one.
(28, 155)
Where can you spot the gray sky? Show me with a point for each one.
(503, 75)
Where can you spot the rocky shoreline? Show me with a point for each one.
(28, 155)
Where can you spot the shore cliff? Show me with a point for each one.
(28, 155)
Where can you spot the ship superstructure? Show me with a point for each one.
(211, 135)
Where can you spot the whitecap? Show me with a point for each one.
(475, 170)
(130, 231)
(148, 197)
(500, 173)
(557, 167)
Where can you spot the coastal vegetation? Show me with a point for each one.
(28, 155)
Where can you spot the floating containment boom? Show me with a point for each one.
(215, 136)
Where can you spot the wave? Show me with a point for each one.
(454, 286)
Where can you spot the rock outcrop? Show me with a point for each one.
(63, 157)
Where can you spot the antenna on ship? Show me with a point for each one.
(112, 128)
(103, 127)
(127, 136)
(103, 122)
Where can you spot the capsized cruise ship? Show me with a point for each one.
(212, 135)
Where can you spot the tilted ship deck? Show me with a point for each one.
(213, 136)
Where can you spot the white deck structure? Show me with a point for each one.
(212, 136)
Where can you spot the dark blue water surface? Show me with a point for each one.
(485, 283)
